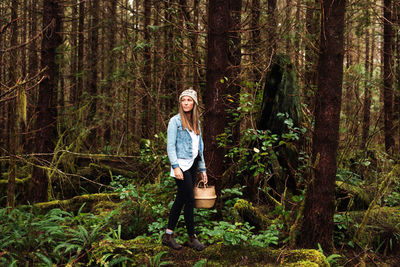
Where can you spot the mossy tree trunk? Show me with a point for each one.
(317, 225)
(47, 111)
(13, 128)
(281, 96)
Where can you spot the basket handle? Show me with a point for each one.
(199, 182)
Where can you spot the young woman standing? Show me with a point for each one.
(185, 152)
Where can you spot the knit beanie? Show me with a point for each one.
(189, 92)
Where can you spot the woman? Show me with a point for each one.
(185, 152)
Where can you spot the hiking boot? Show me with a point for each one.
(195, 243)
(169, 241)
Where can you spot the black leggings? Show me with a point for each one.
(184, 197)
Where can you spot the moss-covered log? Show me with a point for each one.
(141, 251)
(113, 171)
(76, 202)
(248, 213)
(351, 197)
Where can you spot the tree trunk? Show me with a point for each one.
(317, 225)
(146, 73)
(367, 95)
(92, 64)
(235, 58)
(73, 95)
(81, 49)
(271, 31)
(255, 41)
(396, 104)
(13, 129)
(219, 81)
(288, 17)
(388, 75)
(195, 49)
(111, 30)
(47, 111)
(311, 55)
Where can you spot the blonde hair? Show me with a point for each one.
(194, 123)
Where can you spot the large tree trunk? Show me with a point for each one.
(217, 88)
(317, 225)
(388, 75)
(222, 85)
(47, 111)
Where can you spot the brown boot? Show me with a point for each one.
(169, 241)
(195, 243)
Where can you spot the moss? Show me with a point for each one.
(249, 213)
(76, 202)
(103, 207)
(351, 197)
(140, 249)
(302, 264)
(381, 228)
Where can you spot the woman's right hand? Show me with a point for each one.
(178, 173)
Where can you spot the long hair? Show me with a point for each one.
(193, 124)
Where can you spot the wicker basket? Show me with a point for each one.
(204, 196)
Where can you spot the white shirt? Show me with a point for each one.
(185, 164)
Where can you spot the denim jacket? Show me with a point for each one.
(179, 144)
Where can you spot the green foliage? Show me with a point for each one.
(52, 238)
(200, 263)
(156, 260)
(240, 234)
(341, 235)
(331, 259)
(153, 158)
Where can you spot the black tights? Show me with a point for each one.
(184, 197)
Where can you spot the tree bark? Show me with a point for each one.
(111, 30)
(47, 111)
(396, 104)
(73, 95)
(13, 129)
(146, 73)
(235, 58)
(367, 94)
(317, 225)
(255, 41)
(217, 86)
(271, 31)
(311, 55)
(81, 49)
(388, 75)
(223, 18)
(93, 62)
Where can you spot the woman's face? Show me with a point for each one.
(187, 103)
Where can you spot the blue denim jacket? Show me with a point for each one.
(179, 144)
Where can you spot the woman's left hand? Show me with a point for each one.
(204, 177)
